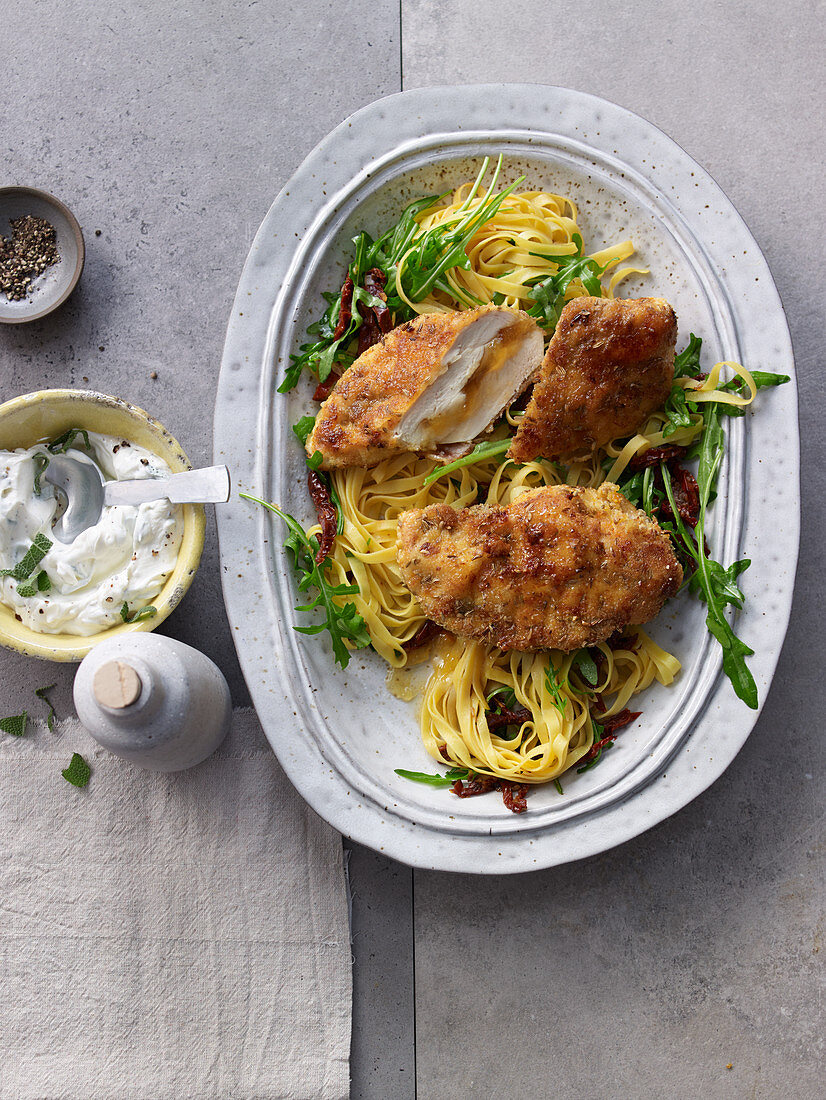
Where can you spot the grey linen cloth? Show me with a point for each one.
(164, 936)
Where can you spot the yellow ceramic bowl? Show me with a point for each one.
(42, 416)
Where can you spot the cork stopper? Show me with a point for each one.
(116, 685)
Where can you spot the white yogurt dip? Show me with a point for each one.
(125, 557)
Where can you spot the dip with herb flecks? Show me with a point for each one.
(111, 570)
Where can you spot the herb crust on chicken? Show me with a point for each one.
(561, 567)
(609, 365)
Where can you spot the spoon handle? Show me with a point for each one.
(209, 486)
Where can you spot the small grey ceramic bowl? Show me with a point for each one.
(56, 283)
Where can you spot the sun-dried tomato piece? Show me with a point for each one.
(375, 320)
(684, 486)
(346, 312)
(598, 657)
(369, 332)
(686, 495)
(475, 784)
(597, 747)
(325, 388)
(514, 796)
(685, 492)
(618, 721)
(374, 282)
(655, 455)
(507, 716)
(610, 727)
(327, 514)
(426, 633)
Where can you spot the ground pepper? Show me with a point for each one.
(27, 253)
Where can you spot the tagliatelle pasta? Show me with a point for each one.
(559, 733)
(529, 234)
(622, 451)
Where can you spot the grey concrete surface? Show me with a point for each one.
(169, 129)
(646, 971)
(384, 1059)
(640, 973)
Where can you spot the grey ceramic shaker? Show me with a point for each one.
(154, 701)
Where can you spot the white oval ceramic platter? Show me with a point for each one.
(339, 734)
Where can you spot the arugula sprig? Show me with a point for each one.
(490, 449)
(712, 582)
(303, 428)
(554, 689)
(322, 353)
(549, 294)
(504, 696)
(341, 620)
(762, 380)
(679, 406)
(441, 248)
(439, 779)
(687, 361)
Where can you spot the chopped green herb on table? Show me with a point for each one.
(78, 771)
(41, 694)
(15, 724)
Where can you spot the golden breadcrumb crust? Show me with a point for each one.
(355, 426)
(560, 568)
(609, 365)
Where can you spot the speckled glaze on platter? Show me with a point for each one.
(339, 734)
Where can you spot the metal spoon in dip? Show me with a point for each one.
(81, 488)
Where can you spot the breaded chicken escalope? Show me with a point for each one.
(560, 568)
(609, 365)
(431, 385)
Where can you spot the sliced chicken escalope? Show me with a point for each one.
(561, 567)
(431, 385)
(609, 365)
